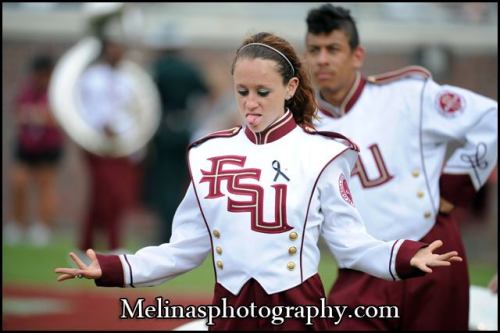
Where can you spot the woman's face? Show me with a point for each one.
(260, 92)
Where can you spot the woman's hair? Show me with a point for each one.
(302, 104)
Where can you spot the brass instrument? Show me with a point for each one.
(66, 103)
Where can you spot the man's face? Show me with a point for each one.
(331, 60)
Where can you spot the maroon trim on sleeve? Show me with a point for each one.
(405, 253)
(219, 134)
(400, 73)
(334, 135)
(112, 271)
(457, 189)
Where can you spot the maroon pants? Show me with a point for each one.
(113, 190)
(436, 301)
(308, 293)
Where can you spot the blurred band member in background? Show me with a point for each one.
(403, 122)
(38, 152)
(105, 94)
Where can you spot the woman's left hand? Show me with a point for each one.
(424, 259)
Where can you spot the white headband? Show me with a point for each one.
(272, 48)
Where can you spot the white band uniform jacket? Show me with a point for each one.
(106, 93)
(259, 202)
(403, 155)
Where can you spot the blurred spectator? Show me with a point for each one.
(182, 90)
(105, 94)
(38, 151)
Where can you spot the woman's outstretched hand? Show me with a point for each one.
(92, 271)
(424, 259)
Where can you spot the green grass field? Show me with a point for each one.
(23, 264)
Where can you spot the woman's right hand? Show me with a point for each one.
(92, 271)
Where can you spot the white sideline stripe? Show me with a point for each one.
(195, 325)
(21, 306)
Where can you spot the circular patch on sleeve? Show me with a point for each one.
(450, 104)
(344, 190)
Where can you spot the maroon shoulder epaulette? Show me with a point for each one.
(219, 134)
(409, 71)
(333, 135)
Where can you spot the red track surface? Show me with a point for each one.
(89, 309)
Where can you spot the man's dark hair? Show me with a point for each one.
(325, 19)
